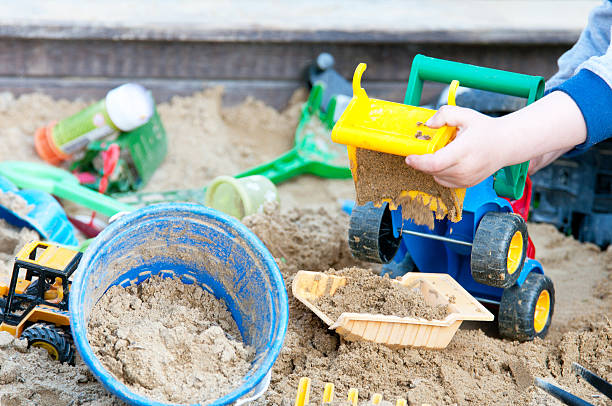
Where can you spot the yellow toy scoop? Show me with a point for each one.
(400, 130)
(389, 127)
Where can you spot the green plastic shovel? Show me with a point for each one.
(61, 183)
(314, 153)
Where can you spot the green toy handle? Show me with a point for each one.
(286, 166)
(475, 77)
(61, 183)
(509, 181)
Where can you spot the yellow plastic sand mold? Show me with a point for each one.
(390, 330)
(303, 395)
(393, 128)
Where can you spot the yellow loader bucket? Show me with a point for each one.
(396, 129)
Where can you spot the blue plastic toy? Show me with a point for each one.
(47, 216)
(525, 297)
(215, 251)
(488, 251)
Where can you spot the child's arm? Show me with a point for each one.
(485, 144)
(576, 114)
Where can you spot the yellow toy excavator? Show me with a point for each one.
(34, 305)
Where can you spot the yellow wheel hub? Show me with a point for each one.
(515, 252)
(50, 349)
(542, 310)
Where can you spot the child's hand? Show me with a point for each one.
(541, 131)
(475, 153)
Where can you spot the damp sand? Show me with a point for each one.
(383, 176)
(366, 292)
(169, 341)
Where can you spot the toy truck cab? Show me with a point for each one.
(486, 249)
(35, 303)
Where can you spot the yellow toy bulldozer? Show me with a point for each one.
(34, 305)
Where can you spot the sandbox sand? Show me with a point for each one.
(169, 341)
(366, 292)
(310, 233)
(11, 241)
(477, 367)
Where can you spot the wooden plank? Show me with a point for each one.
(249, 61)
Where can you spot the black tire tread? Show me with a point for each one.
(490, 249)
(515, 318)
(370, 235)
(52, 336)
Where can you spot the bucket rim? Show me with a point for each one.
(77, 291)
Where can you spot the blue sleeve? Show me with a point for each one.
(594, 98)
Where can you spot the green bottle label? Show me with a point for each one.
(76, 132)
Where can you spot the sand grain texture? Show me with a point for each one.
(11, 241)
(169, 341)
(366, 292)
(383, 176)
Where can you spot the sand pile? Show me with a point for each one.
(169, 341)
(477, 367)
(28, 377)
(21, 116)
(206, 140)
(366, 292)
(11, 241)
(306, 239)
(13, 238)
(15, 203)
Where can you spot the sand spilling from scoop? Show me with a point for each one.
(383, 176)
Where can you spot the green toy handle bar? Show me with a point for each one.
(476, 77)
(61, 183)
(509, 181)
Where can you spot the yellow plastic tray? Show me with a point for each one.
(384, 126)
(392, 330)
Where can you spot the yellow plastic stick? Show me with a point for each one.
(376, 399)
(353, 396)
(400, 402)
(328, 393)
(303, 392)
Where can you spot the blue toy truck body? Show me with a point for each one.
(437, 256)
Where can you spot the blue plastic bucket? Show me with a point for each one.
(199, 245)
(47, 216)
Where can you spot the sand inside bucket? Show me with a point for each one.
(384, 176)
(169, 341)
(366, 292)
